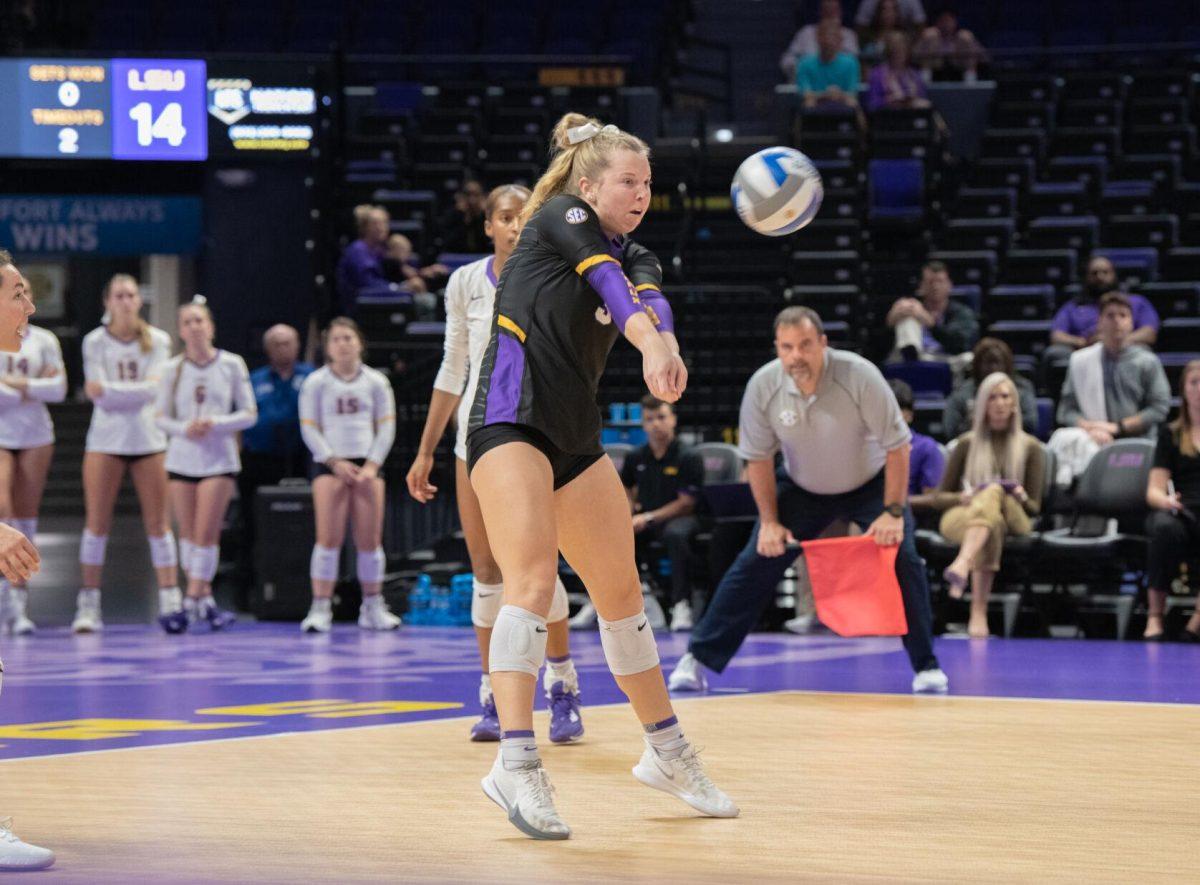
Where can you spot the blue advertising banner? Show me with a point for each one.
(99, 225)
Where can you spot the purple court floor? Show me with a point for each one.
(135, 687)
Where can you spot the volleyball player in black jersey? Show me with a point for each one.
(541, 475)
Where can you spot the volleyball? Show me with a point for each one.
(777, 191)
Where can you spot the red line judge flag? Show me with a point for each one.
(854, 585)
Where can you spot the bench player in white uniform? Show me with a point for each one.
(122, 363)
(29, 378)
(348, 421)
(470, 304)
(204, 399)
(18, 557)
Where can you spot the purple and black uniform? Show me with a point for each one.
(564, 296)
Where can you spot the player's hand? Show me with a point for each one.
(680, 377)
(94, 390)
(418, 479)
(887, 530)
(773, 539)
(198, 428)
(16, 382)
(18, 557)
(640, 521)
(660, 370)
(368, 472)
(345, 470)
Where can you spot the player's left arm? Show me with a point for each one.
(245, 407)
(385, 423)
(51, 385)
(644, 271)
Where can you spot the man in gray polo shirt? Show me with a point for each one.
(845, 456)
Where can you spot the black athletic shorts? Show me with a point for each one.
(181, 477)
(322, 470)
(565, 465)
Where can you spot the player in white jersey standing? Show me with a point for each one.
(348, 421)
(204, 399)
(470, 305)
(18, 557)
(29, 378)
(122, 362)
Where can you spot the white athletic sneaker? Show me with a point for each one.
(528, 798)
(684, 778)
(931, 682)
(375, 614)
(801, 624)
(585, 619)
(17, 856)
(655, 616)
(319, 620)
(688, 675)
(170, 600)
(12, 612)
(681, 616)
(87, 612)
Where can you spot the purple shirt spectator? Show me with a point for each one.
(926, 463)
(360, 267)
(888, 87)
(1079, 317)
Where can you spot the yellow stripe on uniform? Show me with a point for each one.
(310, 422)
(505, 323)
(588, 263)
(645, 286)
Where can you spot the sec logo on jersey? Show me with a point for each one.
(576, 215)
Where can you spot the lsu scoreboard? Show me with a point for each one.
(153, 109)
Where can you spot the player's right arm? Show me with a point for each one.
(447, 389)
(310, 420)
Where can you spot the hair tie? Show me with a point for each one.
(578, 134)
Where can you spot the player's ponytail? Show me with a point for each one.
(580, 147)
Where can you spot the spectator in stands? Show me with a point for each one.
(909, 13)
(830, 78)
(931, 326)
(990, 355)
(805, 41)
(1112, 390)
(401, 266)
(272, 449)
(361, 266)
(884, 17)
(896, 83)
(663, 479)
(926, 462)
(1075, 323)
(1174, 495)
(992, 488)
(948, 52)
(461, 229)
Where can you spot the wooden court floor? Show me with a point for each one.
(833, 788)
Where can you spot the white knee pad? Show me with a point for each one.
(27, 527)
(324, 563)
(371, 566)
(204, 562)
(629, 645)
(518, 642)
(186, 549)
(486, 600)
(559, 606)
(91, 548)
(162, 551)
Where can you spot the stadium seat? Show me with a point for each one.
(1178, 139)
(924, 376)
(1173, 299)
(976, 234)
(1173, 363)
(995, 202)
(1054, 266)
(830, 302)
(977, 268)
(1081, 233)
(1178, 334)
(968, 294)
(1182, 264)
(1023, 115)
(1042, 87)
(1027, 302)
(1089, 112)
(1086, 140)
(833, 233)
(1158, 231)
(1164, 170)
(1014, 172)
(1092, 171)
(1045, 199)
(1128, 198)
(840, 267)
(1156, 112)
(1112, 488)
(1093, 85)
(1028, 337)
(1013, 144)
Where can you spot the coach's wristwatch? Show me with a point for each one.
(896, 510)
